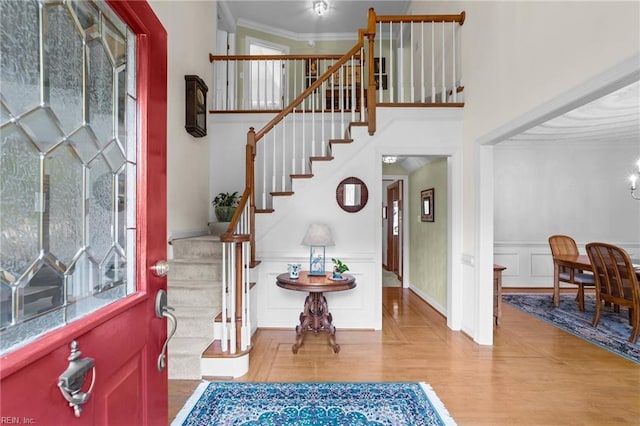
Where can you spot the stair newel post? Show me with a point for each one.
(250, 156)
(371, 92)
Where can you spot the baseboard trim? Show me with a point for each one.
(441, 309)
(224, 367)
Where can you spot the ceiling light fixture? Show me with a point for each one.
(389, 159)
(320, 7)
(635, 176)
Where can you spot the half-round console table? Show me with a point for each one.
(316, 315)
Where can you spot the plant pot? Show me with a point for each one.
(224, 214)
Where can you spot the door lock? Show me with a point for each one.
(70, 382)
(162, 311)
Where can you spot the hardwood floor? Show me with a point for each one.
(534, 374)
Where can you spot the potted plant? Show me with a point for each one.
(338, 268)
(225, 205)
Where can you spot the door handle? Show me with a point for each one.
(71, 380)
(160, 268)
(162, 311)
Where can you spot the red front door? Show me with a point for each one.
(125, 337)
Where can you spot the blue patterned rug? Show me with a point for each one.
(240, 403)
(612, 332)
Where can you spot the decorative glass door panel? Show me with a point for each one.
(67, 164)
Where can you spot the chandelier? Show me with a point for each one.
(635, 177)
(320, 7)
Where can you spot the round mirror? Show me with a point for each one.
(352, 194)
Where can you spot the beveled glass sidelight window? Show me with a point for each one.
(67, 164)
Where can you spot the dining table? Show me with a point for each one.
(580, 261)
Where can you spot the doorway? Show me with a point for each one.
(394, 228)
(266, 83)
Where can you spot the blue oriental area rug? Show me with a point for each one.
(613, 330)
(240, 403)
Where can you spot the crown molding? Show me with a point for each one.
(605, 142)
(225, 18)
(295, 36)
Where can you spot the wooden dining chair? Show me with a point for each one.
(564, 244)
(616, 282)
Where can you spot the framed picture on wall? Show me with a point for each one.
(427, 205)
(378, 79)
(311, 67)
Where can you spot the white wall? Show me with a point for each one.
(550, 188)
(428, 241)
(191, 28)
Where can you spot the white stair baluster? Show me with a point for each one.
(412, 82)
(422, 60)
(232, 301)
(433, 62)
(443, 96)
(453, 62)
(224, 341)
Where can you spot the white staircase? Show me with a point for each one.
(194, 290)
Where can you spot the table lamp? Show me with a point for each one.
(318, 236)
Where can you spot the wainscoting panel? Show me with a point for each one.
(511, 261)
(529, 264)
(541, 265)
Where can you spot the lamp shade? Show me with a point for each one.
(318, 234)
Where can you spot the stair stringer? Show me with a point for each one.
(341, 153)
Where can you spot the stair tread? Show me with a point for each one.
(194, 283)
(191, 311)
(212, 238)
(214, 350)
(198, 260)
(185, 346)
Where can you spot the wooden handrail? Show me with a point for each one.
(271, 57)
(229, 235)
(423, 18)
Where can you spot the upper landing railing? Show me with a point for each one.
(415, 59)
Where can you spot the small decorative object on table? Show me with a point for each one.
(338, 268)
(294, 270)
